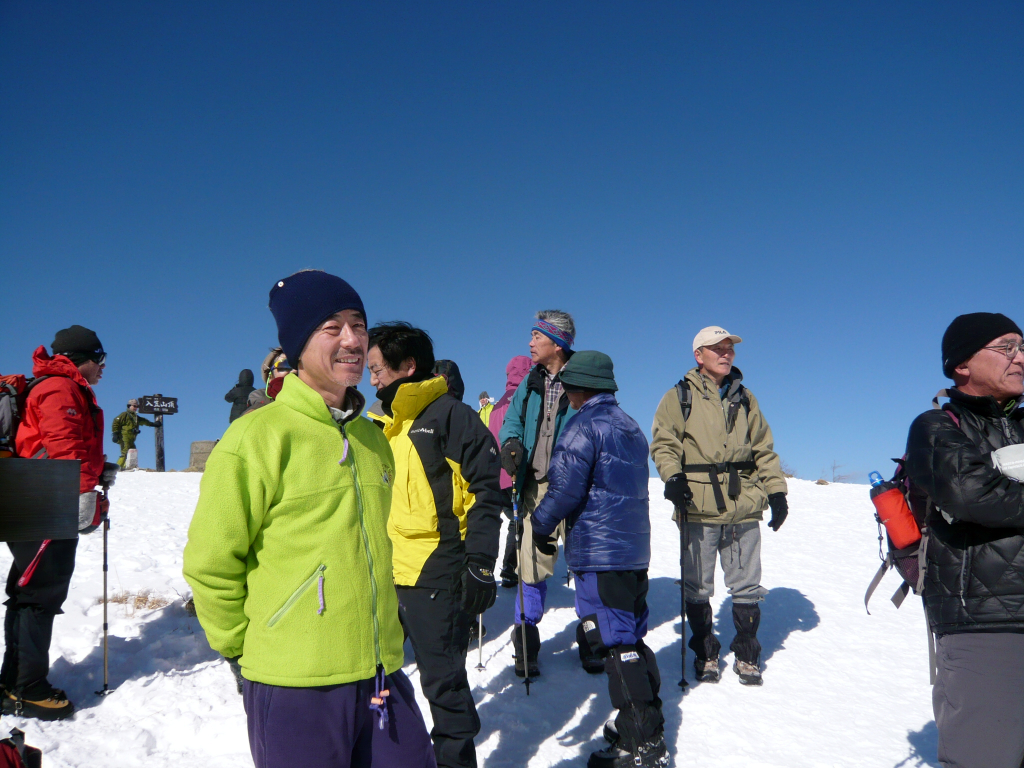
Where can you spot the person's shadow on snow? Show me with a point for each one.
(565, 702)
(924, 748)
(172, 642)
(783, 611)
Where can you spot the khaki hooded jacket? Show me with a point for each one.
(704, 439)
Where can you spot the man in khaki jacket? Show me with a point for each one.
(713, 448)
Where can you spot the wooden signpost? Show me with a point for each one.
(161, 406)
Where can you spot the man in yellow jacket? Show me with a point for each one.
(445, 523)
(289, 559)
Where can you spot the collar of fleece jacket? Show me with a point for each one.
(299, 396)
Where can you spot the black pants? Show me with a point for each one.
(439, 632)
(28, 623)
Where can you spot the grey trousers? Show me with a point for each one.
(739, 547)
(978, 699)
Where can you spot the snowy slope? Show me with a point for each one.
(841, 688)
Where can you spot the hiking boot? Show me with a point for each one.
(650, 754)
(707, 670)
(592, 662)
(750, 674)
(508, 578)
(532, 649)
(54, 707)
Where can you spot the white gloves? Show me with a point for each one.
(86, 509)
(1009, 461)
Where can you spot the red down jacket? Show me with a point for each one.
(62, 417)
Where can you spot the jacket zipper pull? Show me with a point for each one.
(320, 594)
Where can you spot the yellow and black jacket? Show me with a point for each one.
(446, 501)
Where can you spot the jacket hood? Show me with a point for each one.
(449, 369)
(518, 368)
(57, 365)
(516, 371)
(246, 378)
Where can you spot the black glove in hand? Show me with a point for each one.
(109, 475)
(677, 490)
(512, 453)
(780, 510)
(546, 545)
(478, 588)
(236, 670)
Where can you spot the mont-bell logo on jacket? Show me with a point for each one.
(72, 412)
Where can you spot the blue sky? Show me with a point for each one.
(833, 182)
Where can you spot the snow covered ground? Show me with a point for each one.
(841, 688)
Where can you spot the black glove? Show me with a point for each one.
(478, 588)
(512, 453)
(546, 545)
(677, 490)
(780, 510)
(236, 670)
(109, 474)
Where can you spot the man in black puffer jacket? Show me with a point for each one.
(974, 587)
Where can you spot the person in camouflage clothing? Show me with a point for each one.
(126, 427)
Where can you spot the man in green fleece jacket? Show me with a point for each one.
(289, 558)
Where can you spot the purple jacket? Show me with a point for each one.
(515, 372)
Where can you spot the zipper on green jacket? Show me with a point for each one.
(318, 575)
(369, 555)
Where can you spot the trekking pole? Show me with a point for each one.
(106, 527)
(683, 544)
(522, 604)
(480, 641)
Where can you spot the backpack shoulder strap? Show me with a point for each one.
(686, 397)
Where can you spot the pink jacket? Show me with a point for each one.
(515, 372)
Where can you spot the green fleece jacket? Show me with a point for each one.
(288, 552)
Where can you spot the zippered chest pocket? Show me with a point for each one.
(317, 579)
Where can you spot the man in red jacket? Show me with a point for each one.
(61, 421)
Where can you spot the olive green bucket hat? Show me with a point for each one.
(588, 369)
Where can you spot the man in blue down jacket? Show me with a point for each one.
(598, 484)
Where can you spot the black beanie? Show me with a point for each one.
(969, 333)
(302, 301)
(77, 344)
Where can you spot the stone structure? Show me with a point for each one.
(200, 453)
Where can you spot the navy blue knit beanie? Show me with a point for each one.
(302, 301)
(969, 333)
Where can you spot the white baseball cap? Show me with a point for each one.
(706, 337)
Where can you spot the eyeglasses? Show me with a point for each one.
(1010, 348)
(98, 357)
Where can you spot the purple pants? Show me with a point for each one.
(334, 726)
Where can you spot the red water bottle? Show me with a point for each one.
(893, 512)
